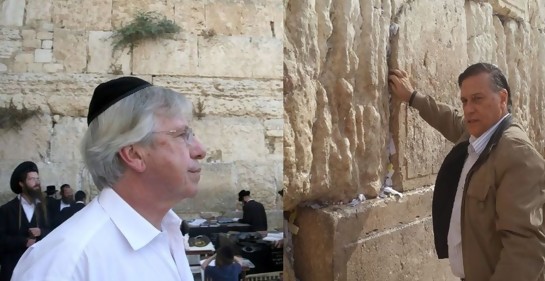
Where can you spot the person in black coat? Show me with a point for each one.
(253, 212)
(68, 212)
(23, 220)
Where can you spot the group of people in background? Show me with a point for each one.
(31, 215)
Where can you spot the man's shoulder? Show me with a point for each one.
(516, 145)
(9, 204)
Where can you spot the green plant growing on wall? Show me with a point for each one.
(199, 109)
(144, 26)
(12, 117)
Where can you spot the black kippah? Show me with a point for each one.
(108, 93)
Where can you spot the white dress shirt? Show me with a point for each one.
(63, 205)
(28, 207)
(475, 148)
(108, 240)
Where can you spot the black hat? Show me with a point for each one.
(50, 190)
(108, 93)
(22, 169)
(243, 193)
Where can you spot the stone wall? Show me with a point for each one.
(228, 56)
(342, 129)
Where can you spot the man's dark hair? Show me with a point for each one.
(80, 195)
(63, 187)
(497, 79)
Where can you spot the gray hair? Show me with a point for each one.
(129, 121)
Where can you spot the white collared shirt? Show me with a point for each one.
(63, 205)
(108, 240)
(475, 148)
(28, 207)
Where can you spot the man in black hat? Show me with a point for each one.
(144, 158)
(23, 220)
(253, 212)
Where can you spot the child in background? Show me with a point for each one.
(227, 267)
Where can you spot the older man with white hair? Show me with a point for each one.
(144, 158)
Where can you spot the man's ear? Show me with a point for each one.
(504, 97)
(132, 156)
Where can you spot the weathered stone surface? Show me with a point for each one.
(122, 12)
(32, 141)
(253, 57)
(102, 58)
(250, 18)
(235, 138)
(67, 94)
(515, 9)
(177, 57)
(42, 55)
(229, 97)
(66, 138)
(536, 12)
(261, 180)
(190, 16)
(420, 148)
(481, 37)
(10, 42)
(12, 13)
(70, 48)
(80, 14)
(377, 240)
(334, 93)
(38, 10)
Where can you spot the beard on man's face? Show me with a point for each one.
(67, 200)
(34, 192)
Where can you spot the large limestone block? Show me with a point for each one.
(481, 37)
(377, 240)
(240, 56)
(30, 142)
(334, 87)
(231, 139)
(123, 11)
(83, 14)
(176, 56)
(102, 57)
(433, 50)
(537, 102)
(10, 42)
(520, 54)
(217, 190)
(12, 12)
(190, 16)
(58, 173)
(251, 18)
(536, 12)
(37, 10)
(61, 94)
(515, 9)
(261, 179)
(229, 97)
(66, 138)
(70, 48)
(405, 253)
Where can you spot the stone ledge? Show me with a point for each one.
(347, 241)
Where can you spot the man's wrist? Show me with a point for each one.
(411, 99)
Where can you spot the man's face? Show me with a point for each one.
(31, 186)
(67, 195)
(483, 107)
(172, 161)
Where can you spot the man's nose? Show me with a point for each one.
(197, 150)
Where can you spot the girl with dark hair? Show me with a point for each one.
(227, 266)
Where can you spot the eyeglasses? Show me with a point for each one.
(186, 134)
